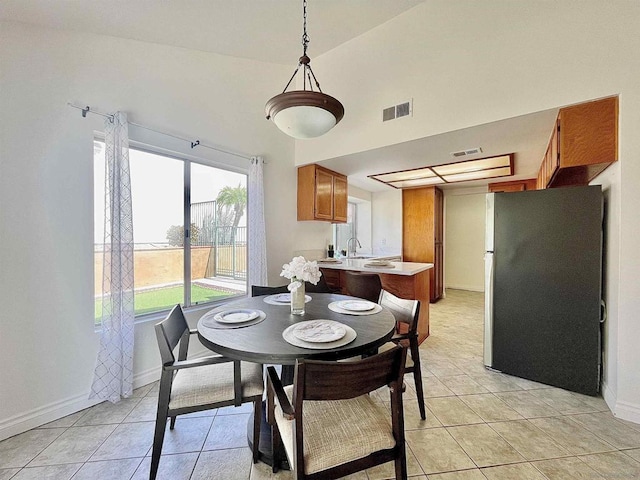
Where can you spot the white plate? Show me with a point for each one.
(357, 305)
(334, 307)
(319, 331)
(282, 299)
(379, 263)
(236, 316)
(289, 337)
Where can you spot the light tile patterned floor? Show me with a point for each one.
(480, 425)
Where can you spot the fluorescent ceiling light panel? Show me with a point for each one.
(494, 172)
(418, 182)
(492, 167)
(473, 165)
(405, 175)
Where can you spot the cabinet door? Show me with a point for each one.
(438, 211)
(437, 285)
(339, 199)
(323, 195)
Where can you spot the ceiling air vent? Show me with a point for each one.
(464, 153)
(398, 111)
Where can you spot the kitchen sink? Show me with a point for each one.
(361, 257)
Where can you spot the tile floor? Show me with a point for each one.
(480, 425)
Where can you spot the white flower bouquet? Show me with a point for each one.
(300, 270)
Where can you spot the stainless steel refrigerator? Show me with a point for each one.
(543, 276)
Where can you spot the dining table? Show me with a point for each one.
(268, 336)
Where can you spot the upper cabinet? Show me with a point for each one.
(513, 186)
(583, 143)
(322, 194)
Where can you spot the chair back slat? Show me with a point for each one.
(259, 290)
(363, 285)
(343, 380)
(169, 332)
(404, 311)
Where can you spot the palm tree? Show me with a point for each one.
(232, 199)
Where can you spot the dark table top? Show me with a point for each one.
(263, 342)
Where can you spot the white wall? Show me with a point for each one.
(47, 341)
(539, 55)
(464, 221)
(386, 222)
(610, 181)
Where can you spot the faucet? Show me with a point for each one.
(351, 252)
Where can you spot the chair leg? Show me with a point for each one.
(276, 448)
(417, 378)
(172, 424)
(257, 422)
(401, 464)
(158, 438)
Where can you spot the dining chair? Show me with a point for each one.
(328, 423)
(363, 285)
(259, 290)
(406, 314)
(197, 384)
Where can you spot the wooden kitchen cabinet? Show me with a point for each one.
(422, 233)
(583, 143)
(513, 186)
(322, 194)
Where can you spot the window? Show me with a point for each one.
(212, 266)
(342, 232)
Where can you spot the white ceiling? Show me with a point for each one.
(526, 136)
(270, 30)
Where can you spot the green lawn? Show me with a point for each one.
(165, 298)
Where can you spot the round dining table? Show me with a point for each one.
(264, 343)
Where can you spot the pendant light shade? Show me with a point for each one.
(304, 113)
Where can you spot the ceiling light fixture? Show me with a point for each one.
(482, 168)
(304, 113)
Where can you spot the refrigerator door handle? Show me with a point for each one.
(488, 309)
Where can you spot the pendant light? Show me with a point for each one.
(304, 113)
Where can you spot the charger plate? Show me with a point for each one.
(289, 336)
(211, 320)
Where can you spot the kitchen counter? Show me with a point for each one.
(405, 280)
(359, 265)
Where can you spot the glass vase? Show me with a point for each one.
(297, 300)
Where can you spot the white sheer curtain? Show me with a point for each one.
(113, 376)
(257, 268)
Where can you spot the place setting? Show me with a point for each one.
(379, 264)
(236, 318)
(320, 334)
(282, 299)
(355, 307)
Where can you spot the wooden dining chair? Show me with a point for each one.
(406, 314)
(259, 290)
(363, 285)
(329, 425)
(203, 383)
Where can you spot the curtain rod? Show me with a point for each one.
(193, 144)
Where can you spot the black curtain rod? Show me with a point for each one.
(193, 143)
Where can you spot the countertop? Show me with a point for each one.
(358, 265)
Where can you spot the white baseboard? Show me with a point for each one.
(627, 411)
(622, 410)
(53, 411)
(471, 288)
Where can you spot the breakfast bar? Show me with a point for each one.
(408, 280)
